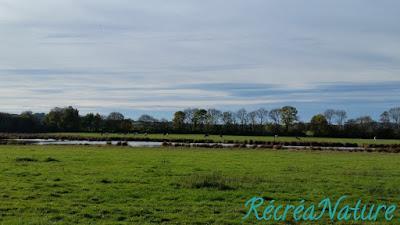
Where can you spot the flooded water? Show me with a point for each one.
(68, 142)
(159, 144)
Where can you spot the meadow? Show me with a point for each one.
(122, 185)
(224, 138)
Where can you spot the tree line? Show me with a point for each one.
(279, 121)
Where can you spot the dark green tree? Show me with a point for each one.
(199, 118)
(288, 116)
(179, 121)
(70, 120)
(319, 125)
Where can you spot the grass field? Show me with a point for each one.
(217, 138)
(117, 185)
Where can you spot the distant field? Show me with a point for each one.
(117, 185)
(235, 138)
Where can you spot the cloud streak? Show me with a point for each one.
(153, 56)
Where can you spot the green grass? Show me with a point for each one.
(120, 185)
(234, 138)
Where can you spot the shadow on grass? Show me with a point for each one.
(50, 159)
(25, 159)
(29, 159)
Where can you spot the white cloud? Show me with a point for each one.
(70, 51)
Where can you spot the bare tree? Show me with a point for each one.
(227, 118)
(329, 115)
(189, 114)
(213, 116)
(262, 115)
(275, 116)
(394, 114)
(340, 117)
(252, 118)
(385, 118)
(241, 115)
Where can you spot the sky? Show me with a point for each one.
(158, 56)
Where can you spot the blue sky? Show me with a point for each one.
(158, 56)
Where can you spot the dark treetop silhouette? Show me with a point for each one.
(282, 121)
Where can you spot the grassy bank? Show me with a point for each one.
(210, 138)
(116, 185)
(218, 138)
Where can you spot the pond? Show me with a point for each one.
(171, 144)
(73, 142)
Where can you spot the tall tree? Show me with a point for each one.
(366, 124)
(319, 125)
(241, 115)
(189, 117)
(63, 119)
(189, 114)
(288, 116)
(88, 122)
(213, 116)
(262, 115)
(340, 117)
(53, 119)
(385, 118)
(115, 116)
(27, 122)
(252, 118)
(385, 121)
(199, 118)
(70, 119)
(227, 118)
(395, 115)
(275, 116)
(179, 121)
(329, 114)
(115, 122)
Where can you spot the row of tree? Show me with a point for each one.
(285, 121)
(280, 121)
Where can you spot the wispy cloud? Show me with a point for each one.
(149, 55)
